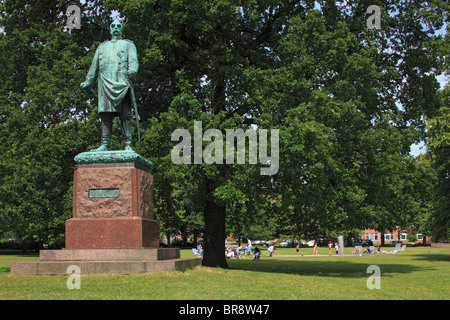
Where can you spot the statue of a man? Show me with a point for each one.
(115, 63)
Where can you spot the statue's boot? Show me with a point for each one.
(106, 134)
(105, 144)
(127, 134)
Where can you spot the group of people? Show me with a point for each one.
(232, 252)
(368, 245)
(330, 247)
(336, 248)
(368, 250)
(316, 248)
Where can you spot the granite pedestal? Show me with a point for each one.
(113, 228)
(110, 261)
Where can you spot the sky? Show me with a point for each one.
(417, 149)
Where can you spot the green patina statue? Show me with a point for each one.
(115, 63)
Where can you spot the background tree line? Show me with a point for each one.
(348, 102)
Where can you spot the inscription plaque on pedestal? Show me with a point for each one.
(104, 193)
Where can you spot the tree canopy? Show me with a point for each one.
(347, 101)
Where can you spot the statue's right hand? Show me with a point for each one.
(84, 85)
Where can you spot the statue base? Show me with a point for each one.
(106, 261)
(112, 202)
(113, 228)
(85, 233)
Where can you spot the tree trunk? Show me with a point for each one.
(214, 240)
(195, 239)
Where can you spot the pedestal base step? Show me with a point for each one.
(108, 261)
(135, 254)
(103, 267)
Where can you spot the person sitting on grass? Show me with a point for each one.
(230, 253)
(200, 250)
(367, 250)
(256, 253)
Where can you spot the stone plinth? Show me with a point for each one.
(111, 233)
(113, 228)
(112, 202)
(150, 254)
(112, 261)
(103, 267)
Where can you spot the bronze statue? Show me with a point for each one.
(115, 63)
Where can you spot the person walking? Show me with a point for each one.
(315, 248)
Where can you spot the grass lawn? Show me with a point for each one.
(414, 274)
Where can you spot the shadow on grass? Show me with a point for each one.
(335, 268)
(5, 269)
(432, 257)
(6, 252)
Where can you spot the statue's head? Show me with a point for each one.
(116, 29)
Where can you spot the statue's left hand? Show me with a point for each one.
(130, 74)
(84, 85)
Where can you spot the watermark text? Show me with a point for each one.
(213, 153)
(74, 280)
(374, 281)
